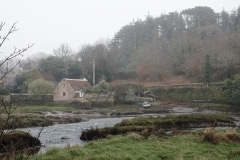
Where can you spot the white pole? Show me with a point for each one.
(79, 60)
(93, 72)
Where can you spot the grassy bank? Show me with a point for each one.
(36, 120)
(135, 147)
(50, 107)
(122, 109)
(34, 115)
(158, 126)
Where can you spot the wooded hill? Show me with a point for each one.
(172, 44)
(196, 43)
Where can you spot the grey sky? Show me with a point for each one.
(48, 23)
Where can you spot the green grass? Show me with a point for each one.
(45, 108)
(135, 147)
(177, 120)
(70, 109)
(32, 116)
(119, 109)
(126, 109)
(159, 125)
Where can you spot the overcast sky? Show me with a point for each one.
(48, 23)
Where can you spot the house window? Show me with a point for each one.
(64, 94)
(63, 84)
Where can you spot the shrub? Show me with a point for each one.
(40, 87)
(31, 99)
(4, 91)
(232, 90)
(127, 93)
(101, 87)
(16, 142)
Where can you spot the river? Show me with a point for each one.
(62, 135)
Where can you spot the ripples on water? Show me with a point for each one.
(62, 135)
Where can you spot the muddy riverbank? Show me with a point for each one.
(68, 134)
(59, 115)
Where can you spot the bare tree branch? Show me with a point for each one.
(8, 109)
(15, 53)
(1, 25)
(11, 30)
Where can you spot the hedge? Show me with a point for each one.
(31, 99)
(189, 94)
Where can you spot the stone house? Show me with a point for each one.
(68, 89)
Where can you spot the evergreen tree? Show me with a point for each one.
(232, 90)
(207, 69)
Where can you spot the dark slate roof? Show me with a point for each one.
(78, 84)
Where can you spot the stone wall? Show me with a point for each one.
(63, 92)
(99, 97)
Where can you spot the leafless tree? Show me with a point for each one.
(15, 53)
(6, 106)
(64, 51)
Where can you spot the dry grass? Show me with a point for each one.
(214, 137)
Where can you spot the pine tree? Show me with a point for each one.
(207, 69)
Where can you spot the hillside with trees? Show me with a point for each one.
(177, 44)
(197, 44)
(173, 44)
